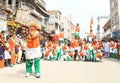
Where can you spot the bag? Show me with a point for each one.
(1, 57)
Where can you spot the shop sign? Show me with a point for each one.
(24, 17)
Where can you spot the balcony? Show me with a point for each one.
(41, 3)
(2, 3)
(108, 31)
(25, 6)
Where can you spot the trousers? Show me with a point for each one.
(30, 62)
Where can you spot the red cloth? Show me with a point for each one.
(55, 37)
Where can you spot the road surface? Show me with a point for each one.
(65, 72)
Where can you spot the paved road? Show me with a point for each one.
(65, 72)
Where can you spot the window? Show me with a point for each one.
(112, 23)
(112, 4)
(116, 3)
(4, 1)
(1, 1)
(10, 2)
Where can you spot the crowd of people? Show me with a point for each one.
(15, 48)
(53, 47)
(76, 49)
(90, 49)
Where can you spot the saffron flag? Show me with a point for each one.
(91, 23)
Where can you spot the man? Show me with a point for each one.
(77, 31)
(61, 36)
(3, 35)
(33, 51)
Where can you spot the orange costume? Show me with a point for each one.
(91, 35)
(61, 35)
(77, 29)
(111, 47)
(64, 47)
(2, 63)
(48, 47)
(33, 51)
(98, 55)
(12, 50)
(33, 42)
(70, 53)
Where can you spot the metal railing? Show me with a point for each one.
(23, 5)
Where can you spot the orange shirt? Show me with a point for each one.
(54, 46)
(47, 52)
(85, 47)
(75, 44)
(98, 55)
(92, 44)
(95, 47)
(111, 45)
(77, 29)
(64, 47)
(82, 54)
(61, 35)
(70, 53)
(55, 37)
(50, 44)
(33, 42)
(11, 44)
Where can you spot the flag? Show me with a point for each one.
(91, 23)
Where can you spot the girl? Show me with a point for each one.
(7, 56)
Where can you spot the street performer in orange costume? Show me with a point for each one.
(33, 51)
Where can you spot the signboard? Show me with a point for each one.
(24, 17)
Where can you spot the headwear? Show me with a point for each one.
(34, 25)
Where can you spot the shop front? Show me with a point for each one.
(116, 34)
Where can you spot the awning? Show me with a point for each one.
(43, 12)
(116, 33)
(40, 10)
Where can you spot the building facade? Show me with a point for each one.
(115, 15)
(68, 26)
(35, 8)
(54, 22)
(107, 29)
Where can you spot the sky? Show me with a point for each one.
(81, 11)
